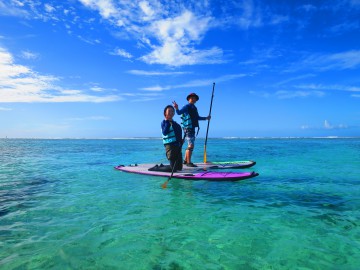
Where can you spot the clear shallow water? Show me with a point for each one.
(63, 206)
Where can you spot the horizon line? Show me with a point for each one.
(159, 138)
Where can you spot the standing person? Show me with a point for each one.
(190, 120)
(172, 139)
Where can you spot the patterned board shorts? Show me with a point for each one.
(190, 136)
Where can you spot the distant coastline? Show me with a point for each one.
(213, 138)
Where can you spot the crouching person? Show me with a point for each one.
(172, 138)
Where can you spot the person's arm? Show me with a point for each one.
(202, 118)
(205, 118)
(165, 127)
(182, 111)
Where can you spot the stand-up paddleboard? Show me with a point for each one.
(188, 173)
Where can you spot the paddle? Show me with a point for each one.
(207, 130)
(164, 185)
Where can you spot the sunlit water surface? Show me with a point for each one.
(63, 206)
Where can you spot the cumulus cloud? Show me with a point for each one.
(171, 31)
(173, 54)
(171, 34)
(177, 37)
(19, 83)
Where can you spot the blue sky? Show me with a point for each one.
(106, 68)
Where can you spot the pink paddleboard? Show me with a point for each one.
(197, 173)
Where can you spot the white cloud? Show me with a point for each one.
(87, 40)
(308, 7)
(248, 14)
(106, 7)
(148, 96)
(286, 94)
(251, 15)
(196, 83)
(172, 54)
(97, 88)
(355, 2)
(5, 109)
(155, 73)
(49, 8)
(156, 88)
(327, 125)
(344, 60)
(91, 118)
(19, 83)
(330, 87)
(305, 127)
(183, 28)
(300, 77)
(177, 37)
(344, 27)
(121, 52)
(298, 94)
(323, 62)
(261, 94)
(278, 19)
(172, 34)
(12, 9)
(29, 55)
(148, 11)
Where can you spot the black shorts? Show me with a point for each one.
(172, 151)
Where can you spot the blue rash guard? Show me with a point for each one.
(167, 128)
(190, 116)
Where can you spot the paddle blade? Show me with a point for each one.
(165, 184)
(205, 154)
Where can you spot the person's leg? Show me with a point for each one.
(179, 165)
(174, 155)
(188, 139)
(170, 155)
(189, 150)
(188, 153)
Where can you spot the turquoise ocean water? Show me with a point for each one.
(63, 206)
